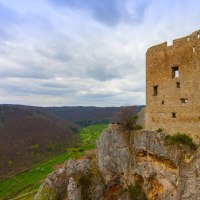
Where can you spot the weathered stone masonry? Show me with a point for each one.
(173, 85)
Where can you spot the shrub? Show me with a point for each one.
(127, 116)
(135, 191)
(47, 193)
(134, 118)
(9, 163)
(137, 127)
(159, 130)
(51, 147)
(75, 153)
(181, 138)
(85, 181)
(35, 147)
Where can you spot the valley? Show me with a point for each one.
(24, 185)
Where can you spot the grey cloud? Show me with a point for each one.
(106, 11)
(97, 96)
(29, 71)
(139, 89)
(111, 99)
(25, 74)
(3, 34)
(8, 18)
(55, 51)
(54, 85)
(19, 89)
(137, 12)
(102, 73)
(109, 12)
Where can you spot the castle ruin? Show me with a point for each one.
(173, 86)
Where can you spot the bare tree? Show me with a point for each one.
(127, 116)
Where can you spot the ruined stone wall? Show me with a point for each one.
(161, 59)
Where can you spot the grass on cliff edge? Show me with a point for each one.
(181, 138)
(30, 180)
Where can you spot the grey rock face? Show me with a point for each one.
(61, 181)
(166, 172)
(74, 192)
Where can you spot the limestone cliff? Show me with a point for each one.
(125, 159)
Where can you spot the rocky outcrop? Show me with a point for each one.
(61, 182)
(129, 164)
(165, 171)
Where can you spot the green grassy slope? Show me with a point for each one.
(90, 134)
(28, 181)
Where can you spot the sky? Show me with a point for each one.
(84, 52)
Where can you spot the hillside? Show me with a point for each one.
(78, 114)
(82, 114)
(29, 135)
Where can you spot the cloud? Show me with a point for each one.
(106, 12)
(102, 73)
(111, 12)
(8, 18)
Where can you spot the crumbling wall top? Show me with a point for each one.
(189, 39)
(157, 47)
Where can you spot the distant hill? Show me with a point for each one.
(28, 135)
(86, 115)
(79, 114)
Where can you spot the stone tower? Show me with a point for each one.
(173, 86)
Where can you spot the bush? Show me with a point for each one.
(85, 181)
(134, 118)
(181, 138)
(159, 130)
(9, 163)
(127, 116)
(75, 153)
(35, 147)
(47, 193)
(135, 191)
(137, 127)
(51, 147)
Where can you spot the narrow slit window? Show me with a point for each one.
(193, 49)
(173, 115)
(175, 72)
(184, 100)
(163, 102)
(155, 90)
(178, 85)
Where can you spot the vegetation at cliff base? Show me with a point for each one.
(159, 130)
(135, 191)
(181, 138)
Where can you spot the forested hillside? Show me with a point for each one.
(27, 136)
